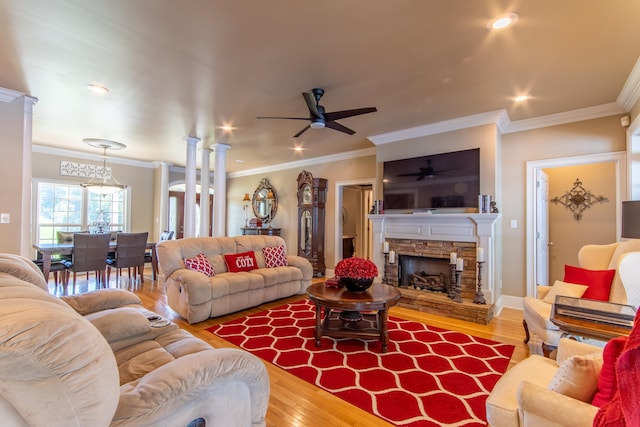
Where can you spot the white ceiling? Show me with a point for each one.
(178, 68)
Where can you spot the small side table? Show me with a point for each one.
(378, 298)
(599, 320)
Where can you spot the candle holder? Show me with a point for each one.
(479, 298)
(385, 277)
(452, 282)
(457, 289)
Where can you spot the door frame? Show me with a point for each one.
(339, 185)
(619, 158)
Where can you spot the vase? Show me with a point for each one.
(356, 285)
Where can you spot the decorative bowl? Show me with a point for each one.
(356, 285)
(350, 316)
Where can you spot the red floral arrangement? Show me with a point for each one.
(356, 268)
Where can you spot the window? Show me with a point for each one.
(69, 207)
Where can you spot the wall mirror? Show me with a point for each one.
(265, 201)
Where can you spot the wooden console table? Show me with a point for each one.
(256, 231)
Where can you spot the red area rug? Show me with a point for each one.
(429, 376)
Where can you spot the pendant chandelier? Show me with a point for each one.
(104, 182)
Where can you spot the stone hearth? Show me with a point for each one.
(440, 304)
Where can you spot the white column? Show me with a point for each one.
(205, 209)
(27, 135)
(220, 189)
(163, 210)
(190, 188)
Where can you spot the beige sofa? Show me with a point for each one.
(101, 359)
(197, 297)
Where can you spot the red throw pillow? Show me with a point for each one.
(598, 281)
(200, 263)
(275, 256)
(607, 383)
(245, 261)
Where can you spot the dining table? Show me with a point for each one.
(49, 249)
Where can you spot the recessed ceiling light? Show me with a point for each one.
(99, 89)
(521, 98)
(239, 161)
(503, 21)
(227, 128)
(298, 149)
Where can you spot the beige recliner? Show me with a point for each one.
(101, 359)
(521, 398)
(624, 257)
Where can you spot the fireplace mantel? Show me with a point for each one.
(452, 227)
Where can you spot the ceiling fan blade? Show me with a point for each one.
(302, 131)
(311, 104)
(338, 126)
(337, 115)
(287, 118)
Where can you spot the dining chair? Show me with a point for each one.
(56, 267)
(130, 253)
(148, 256)
(89, 254)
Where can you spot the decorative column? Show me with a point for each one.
(205, 209)
(220, 189)
(190, 188)
(163, 211)
(27, 138)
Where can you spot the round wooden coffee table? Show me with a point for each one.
(334, 301)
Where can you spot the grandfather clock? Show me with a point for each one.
(312, 196)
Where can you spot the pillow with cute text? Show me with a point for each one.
(244, 261)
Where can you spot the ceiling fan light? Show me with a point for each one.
(317, 124)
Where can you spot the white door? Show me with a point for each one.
(542, 228)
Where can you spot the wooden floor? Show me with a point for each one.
(295, 402)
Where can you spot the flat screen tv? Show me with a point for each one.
(439, 181)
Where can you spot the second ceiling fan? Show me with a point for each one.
(319, 119)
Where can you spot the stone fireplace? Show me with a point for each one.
(422, 244)
(424, 273)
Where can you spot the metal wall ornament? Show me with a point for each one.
(578, 199)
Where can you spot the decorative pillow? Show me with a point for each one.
(564, 289)
(244, 261)
(607, 384)
(200, 263)
(275, 256)
(577, 377)
(598, 281)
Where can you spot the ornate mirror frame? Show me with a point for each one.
(265, 201)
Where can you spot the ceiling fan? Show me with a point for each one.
(319, 119)
(425, 172)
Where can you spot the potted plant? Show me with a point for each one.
(356, 274)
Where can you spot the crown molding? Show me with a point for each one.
(630, 92)
(8, 95)
(43, 149)
(499, 117)
(502, 121)
(305, 163)
(579, 115)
